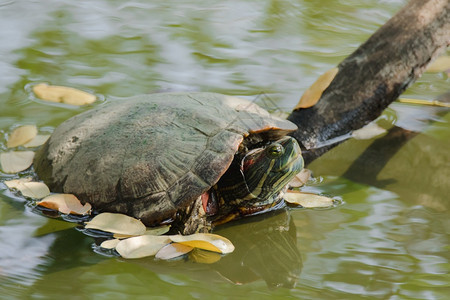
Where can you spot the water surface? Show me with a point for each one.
(388, 239)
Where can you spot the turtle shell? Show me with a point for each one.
(150, 155)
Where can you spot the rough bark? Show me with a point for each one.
(375, 75)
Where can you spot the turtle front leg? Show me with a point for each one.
(191, 220)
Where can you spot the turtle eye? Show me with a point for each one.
(275, 150)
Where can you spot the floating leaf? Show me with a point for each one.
(16, 161)
(369, 131)
(66, 204)
(21, 135)
(141, 246)
(62, 94)
(206, 241)
(150, 231)
(172, 251)
(110, 244)
(300, 179)
(307, 200)
(204, 257)
(37, 141)
(441, 64)
(28, 188)
(117, 223)
(314, 92)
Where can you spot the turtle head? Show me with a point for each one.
(253, 183)
(267, 170)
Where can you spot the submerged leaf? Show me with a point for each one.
(172, 251)
(307, 200)
(63, 94)
(110, 244)
(300, 179)
(141, 246)
(368, 132)
(66, 204)
(206, 241)
(314, 92)
(37, 141)
(16, 161)
(117, 223)
(204, 257)
(28, 188)
(21, 135)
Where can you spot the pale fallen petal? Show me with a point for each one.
(307, 200)
(63, 94)
(172, 251)
(204, 257)
(301, 178)
(37, 141)
(117, 223)
(110, 244)
(314, 92)
(441, 64)
(16, 161)
(368, 132)
(66, 204)
(28, 188)
(141, 246)
(21, 135)
(206, 241)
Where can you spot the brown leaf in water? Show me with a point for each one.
(29, 188)
(173, 250)
(206, 241)
(441, 64)
(37, 141)
(314, 92)
(368, 132)
(307, 200)
(68, 95)
(16, 161)
(117, 223)
(110, 244)
(66, 204)
(141, 246)
(21, 135)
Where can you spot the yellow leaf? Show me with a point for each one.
(441, 64)
(314, 92)
(62, 94)
(172, 251)
(367, 132)
(110, 244)
(206, 241)
(21, 135)
(117, 223)
(307, 200)
(204, 257)
(16, 161)
(28, 188)
(37, 141)
(424, 102)
(66, 204)
(300, 179)
(141, 246)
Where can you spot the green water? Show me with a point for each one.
(389, 239)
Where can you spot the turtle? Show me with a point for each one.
(190, 159)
